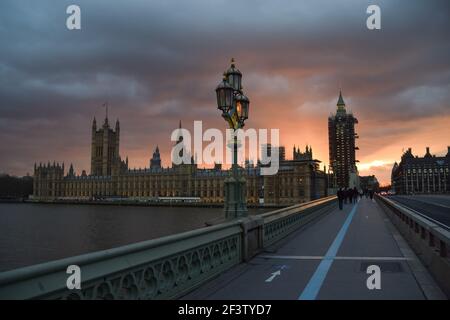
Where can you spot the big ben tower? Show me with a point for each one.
(341, 139)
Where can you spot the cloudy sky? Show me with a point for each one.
(157, 62)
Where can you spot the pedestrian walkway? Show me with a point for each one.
(327, 259)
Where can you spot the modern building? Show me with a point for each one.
(427, 174)
(298, 180)
(341, 139)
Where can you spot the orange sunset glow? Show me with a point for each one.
(155, 72)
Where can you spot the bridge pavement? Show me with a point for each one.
(328, 259)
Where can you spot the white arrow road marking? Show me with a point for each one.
(276, 273)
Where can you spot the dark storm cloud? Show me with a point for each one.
(159, 61)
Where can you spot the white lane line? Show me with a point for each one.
(436, 204)
(424, 216)
(420, 199)
(334, 258)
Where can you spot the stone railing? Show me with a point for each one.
(429, 240)
(279, 223)
(163, 268)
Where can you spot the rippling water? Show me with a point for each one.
(35, 233)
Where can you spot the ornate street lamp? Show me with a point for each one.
(235, 107)
(242, 106)
(234, 77)
(225, 94)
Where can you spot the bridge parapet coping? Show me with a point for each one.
(429, 240)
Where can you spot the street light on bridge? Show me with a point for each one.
(234, 106)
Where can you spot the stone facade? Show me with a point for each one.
(105, 159)
(427, 174)
(368, 183)
(298, 180)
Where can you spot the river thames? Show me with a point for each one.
(36, 233)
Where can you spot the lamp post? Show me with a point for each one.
(234, 106)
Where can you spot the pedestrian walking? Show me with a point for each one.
(355, 194)
(340, 196)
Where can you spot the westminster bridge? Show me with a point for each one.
(385, 248)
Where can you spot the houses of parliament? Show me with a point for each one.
(298, 180)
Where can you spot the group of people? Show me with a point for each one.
(345, 196)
